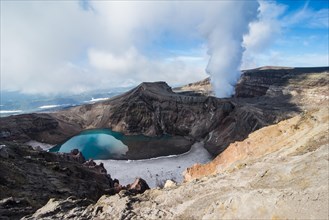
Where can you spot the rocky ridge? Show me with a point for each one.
(202, 87)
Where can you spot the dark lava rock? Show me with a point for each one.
(138, 186)
(30, 178)
(13, 207)
(77, 155)
(40, 127)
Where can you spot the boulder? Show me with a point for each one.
(170, 184)
(4, 152)
(138, 186)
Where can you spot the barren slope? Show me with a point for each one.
(283, 175)
(305, 132)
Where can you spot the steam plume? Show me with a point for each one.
(225, 36)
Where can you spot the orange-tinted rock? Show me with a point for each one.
(297, 131)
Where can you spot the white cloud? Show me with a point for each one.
(276, 25)
(58, 47)
(262, 33)
(132, 66)
(37, 44)
(266, 28)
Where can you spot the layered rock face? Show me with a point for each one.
(40, 127)
(202, 87)
(153, 109)
(268, 95)
(264, 80)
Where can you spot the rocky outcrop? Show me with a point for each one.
(260, 81)
(138, 186)
(202, 87)
(40, 127)
(29, 178)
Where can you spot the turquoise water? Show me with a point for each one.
(104, 143)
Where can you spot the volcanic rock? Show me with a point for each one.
(77, 155)
(202, 87)
(260, 81)
(138, 186)
(30, 178)
(41, 127)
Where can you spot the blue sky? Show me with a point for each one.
(302, 36)
(55, 47)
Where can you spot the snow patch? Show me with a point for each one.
(48, 106)
(10, 111)
(36, 144)
(156, 170)
(96, 100)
